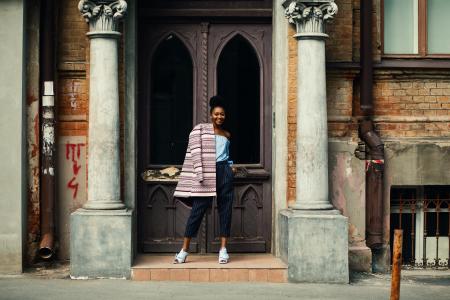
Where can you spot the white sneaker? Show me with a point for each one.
(180, 258)
(223, 256)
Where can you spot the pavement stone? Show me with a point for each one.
(51, 284)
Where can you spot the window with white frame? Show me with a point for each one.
(418, 28)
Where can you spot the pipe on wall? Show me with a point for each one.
(374, 154)
(366, 57)
(374, 183)
(47, 75)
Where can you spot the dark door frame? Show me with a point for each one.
(264, 113)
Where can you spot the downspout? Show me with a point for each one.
(366, 55)
(47, 75)
(374, 147)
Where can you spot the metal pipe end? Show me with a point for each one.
(46, 247)
(46, 253)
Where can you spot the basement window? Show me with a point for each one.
(423, 214)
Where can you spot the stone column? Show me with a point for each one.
(312, 132)
(101, 232)
(313, 235)
(103, 159)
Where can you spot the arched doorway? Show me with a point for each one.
(181, 65)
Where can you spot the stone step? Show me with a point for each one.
(205, 268)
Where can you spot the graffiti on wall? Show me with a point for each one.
(72, 190)
(73, 154)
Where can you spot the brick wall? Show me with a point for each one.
(414, 107)
(72, 61)
(339, 46)
(292, 113)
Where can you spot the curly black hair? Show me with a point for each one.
(216, 101)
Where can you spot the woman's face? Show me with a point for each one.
(218, 116)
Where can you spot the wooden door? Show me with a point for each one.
(180, 67)
(239, 61)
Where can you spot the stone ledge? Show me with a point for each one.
(211, 275)
(205, 268)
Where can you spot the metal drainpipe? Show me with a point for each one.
(374, 156)
(374, 146)
(366, 57)
(47, 75)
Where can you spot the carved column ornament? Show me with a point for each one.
(102, 16)
(310, 16)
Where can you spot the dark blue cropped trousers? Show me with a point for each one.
(224, 188)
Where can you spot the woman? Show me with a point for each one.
(207, 173)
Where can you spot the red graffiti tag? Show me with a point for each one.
(73, 186)
(73, 152)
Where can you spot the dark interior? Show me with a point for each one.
(238, 77)
(171, 102)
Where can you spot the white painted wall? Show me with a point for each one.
(12, 136)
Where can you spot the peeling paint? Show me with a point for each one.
(347, 190)
(48, 136)
(31, 99)
(339, 176)
(73, 95)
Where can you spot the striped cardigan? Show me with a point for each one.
(198, 175)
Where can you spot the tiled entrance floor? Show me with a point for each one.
(241, 267)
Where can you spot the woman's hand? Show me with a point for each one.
(234, 170)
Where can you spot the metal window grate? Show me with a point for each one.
(423, 214)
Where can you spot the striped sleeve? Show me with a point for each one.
(195, 145)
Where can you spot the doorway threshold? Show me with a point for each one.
(205, 268)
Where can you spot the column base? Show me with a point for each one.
(101, 243)
(104, 205)
(314, 244)
(325, 205)
(360, 259)
(381, 259)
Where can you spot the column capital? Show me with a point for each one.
(102, 15)
(310, 16)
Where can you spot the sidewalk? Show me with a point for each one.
(49, 285)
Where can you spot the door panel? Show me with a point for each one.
(161, 220)
(249, 110)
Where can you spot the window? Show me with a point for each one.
(171, 102)
(238, 78)
(417, 28)
(423, 214)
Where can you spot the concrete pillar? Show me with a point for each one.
(314, 236)
(13, 130)
(103, 160)
(312, 131)
(101, 232)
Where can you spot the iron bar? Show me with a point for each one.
(424, 254)
(419, 208)
(396, 264)
(438, 208)
(413, 233)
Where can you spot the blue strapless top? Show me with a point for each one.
(222, 148)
